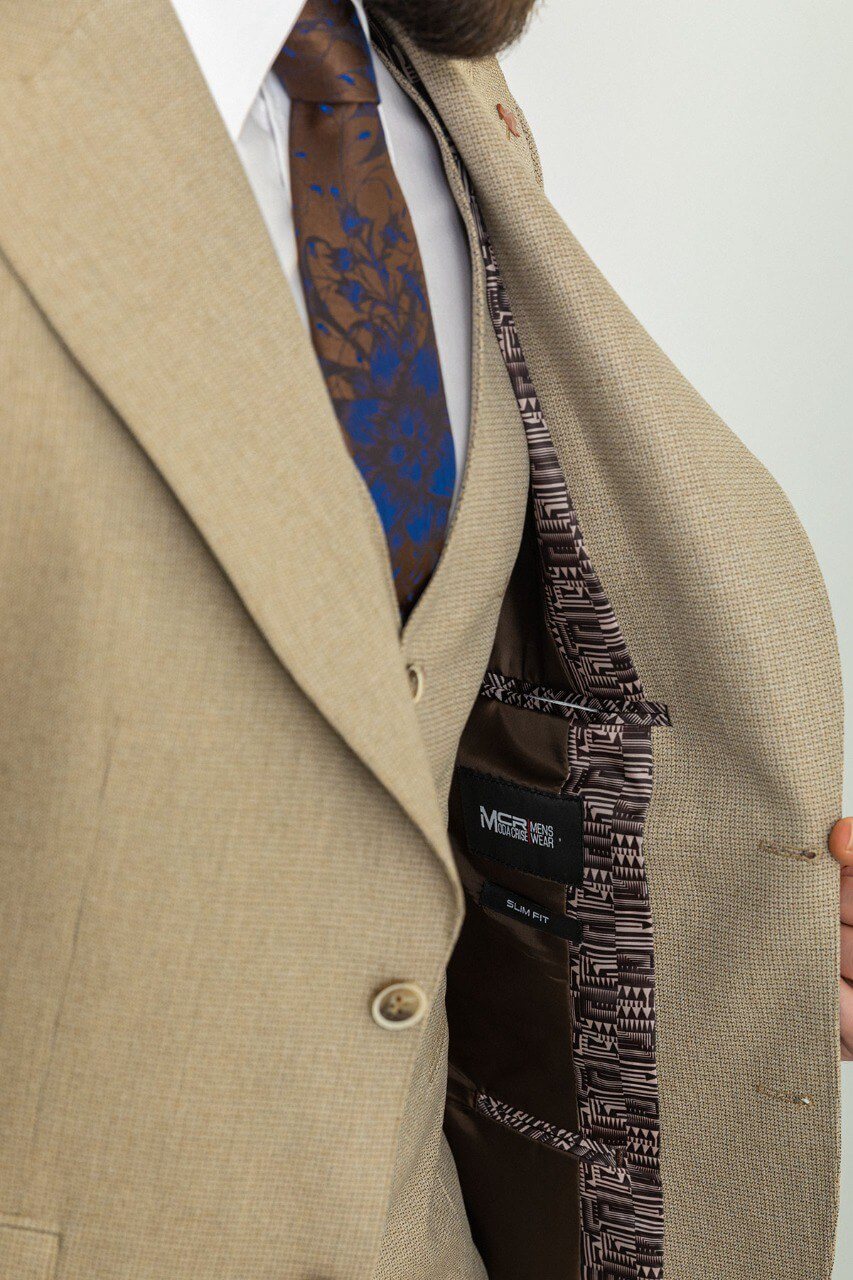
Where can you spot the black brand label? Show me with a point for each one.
(523, 828)
(512, 904)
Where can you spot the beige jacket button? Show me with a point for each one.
(399, 1006)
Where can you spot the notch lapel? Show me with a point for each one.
(125, 211)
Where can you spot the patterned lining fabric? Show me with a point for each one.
(556, 702)
(610, 753)
(574, 1144)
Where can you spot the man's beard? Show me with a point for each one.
(459, 28)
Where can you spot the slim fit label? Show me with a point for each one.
(495, 898)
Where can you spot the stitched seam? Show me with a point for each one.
(53, 1232)
(531, 143)
(63, 38)
(517, 786)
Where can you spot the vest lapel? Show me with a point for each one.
(126, 213)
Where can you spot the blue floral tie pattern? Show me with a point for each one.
(365, 289)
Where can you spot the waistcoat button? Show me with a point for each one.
(401, 1005)
(415, 673)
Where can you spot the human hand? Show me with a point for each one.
(841, 848)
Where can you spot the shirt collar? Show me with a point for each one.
(235, 43)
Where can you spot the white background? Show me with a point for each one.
(702, 155)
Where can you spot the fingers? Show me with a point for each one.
(847, 952)
(846, 1022)
(841, 848)
(841, 841)
(847, 899)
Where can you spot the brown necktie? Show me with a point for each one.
(365, 289)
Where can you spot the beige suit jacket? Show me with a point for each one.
(223, 817)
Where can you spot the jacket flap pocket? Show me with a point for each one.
(28, 1250)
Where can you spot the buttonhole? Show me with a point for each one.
(783, 1095)
(782, 851)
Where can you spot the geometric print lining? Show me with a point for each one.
(572, 1143)
(556, 702)
(609, 724)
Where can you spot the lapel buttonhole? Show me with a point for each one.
(510, 120)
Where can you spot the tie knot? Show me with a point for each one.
(327, 57)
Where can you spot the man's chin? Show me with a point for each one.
(458, 28)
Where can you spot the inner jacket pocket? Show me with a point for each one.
(511, 1117)
(518, 849)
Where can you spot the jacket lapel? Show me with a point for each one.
(496, 160)
(125, 211)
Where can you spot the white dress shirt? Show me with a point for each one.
(235, 43)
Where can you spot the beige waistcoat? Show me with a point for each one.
(223, 819)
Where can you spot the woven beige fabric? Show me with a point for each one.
(28, 1251)
(222, 816)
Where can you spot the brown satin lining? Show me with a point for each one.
(509, 989)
